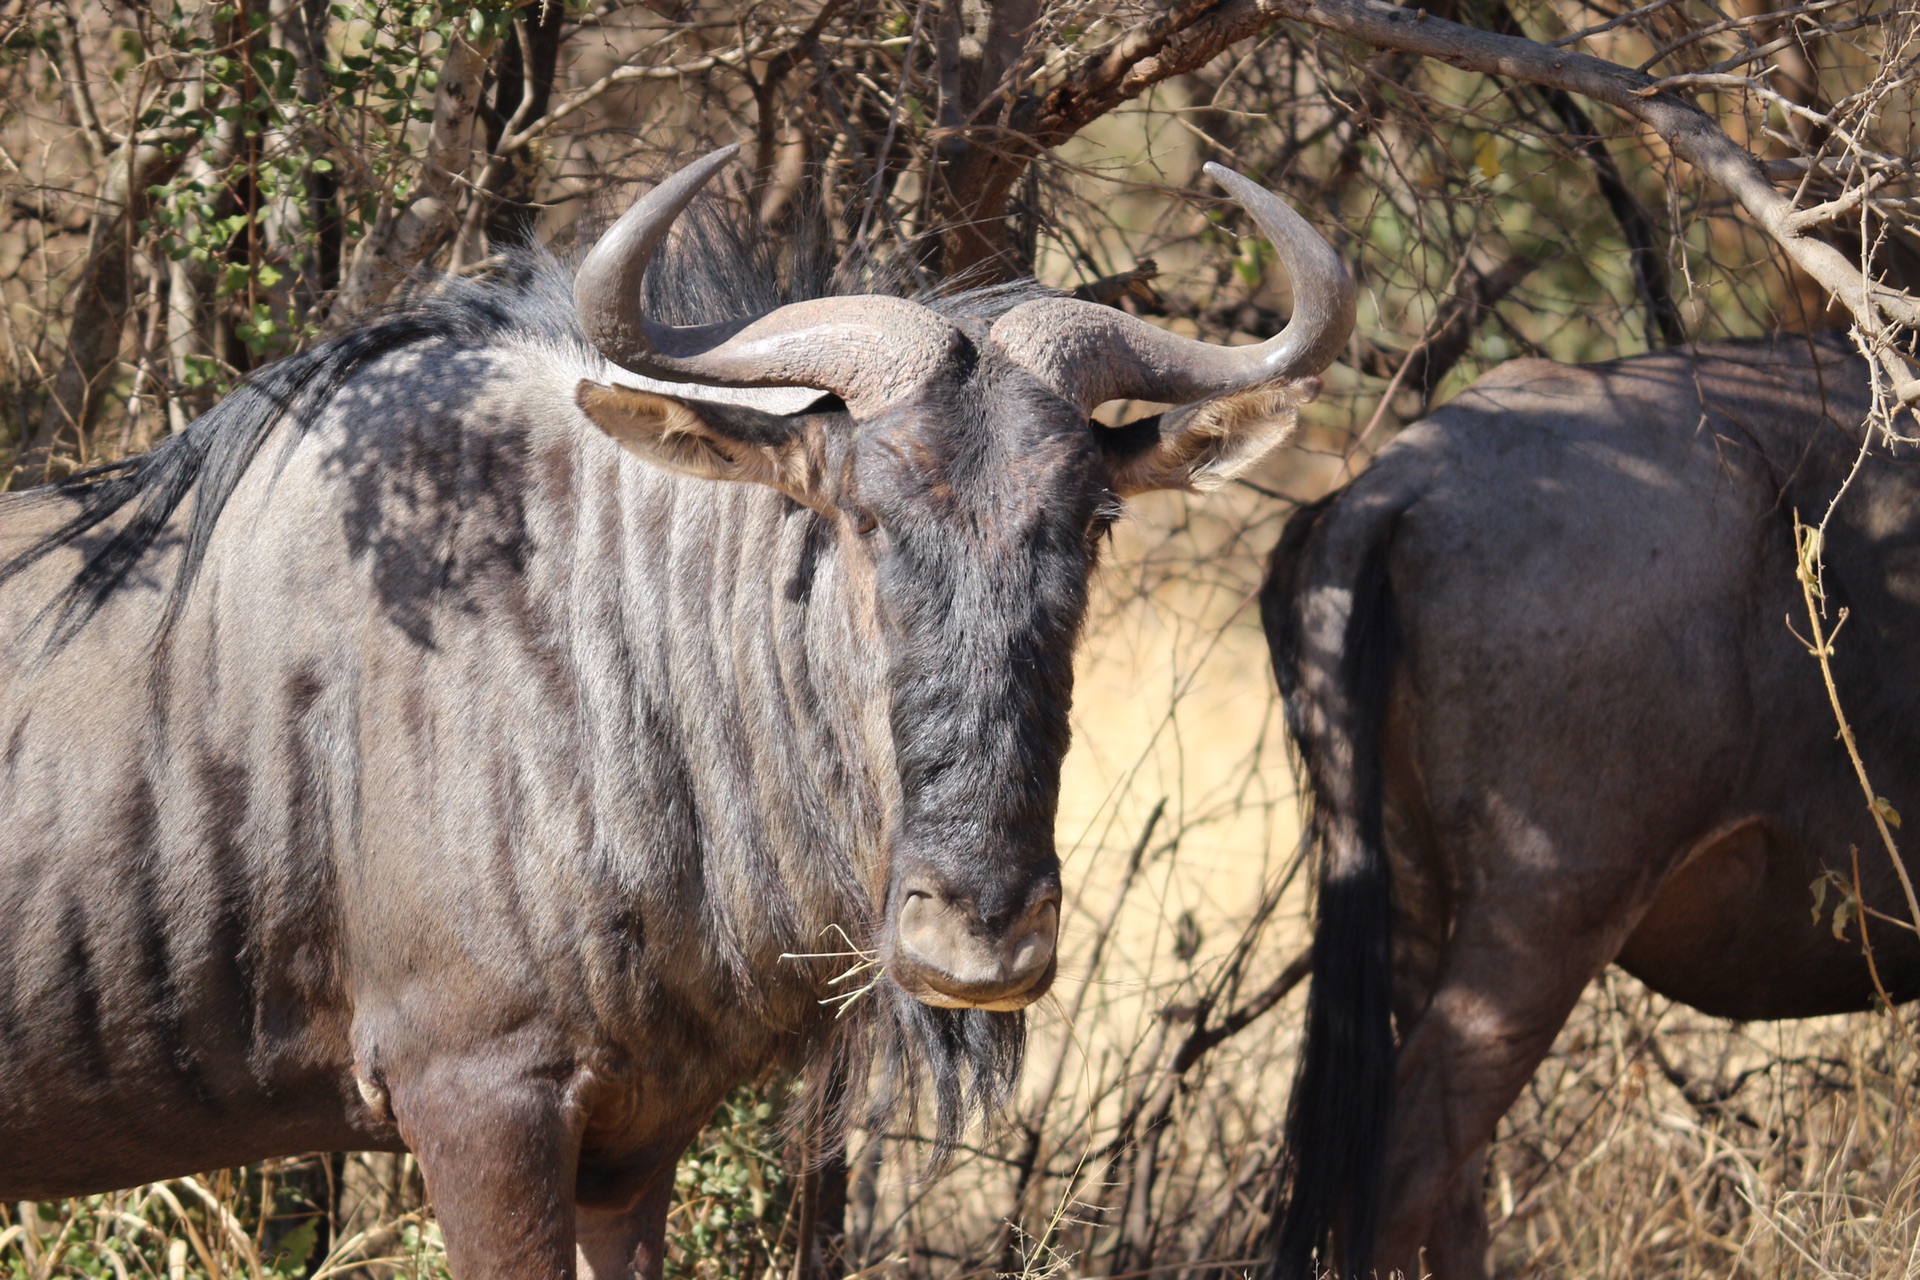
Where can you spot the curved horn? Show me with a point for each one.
(870, 351)
(1092, 354)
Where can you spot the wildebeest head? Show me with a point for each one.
(966, 472)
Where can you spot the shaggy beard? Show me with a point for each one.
(873, 1069)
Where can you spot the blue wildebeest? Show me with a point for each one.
(1538, 663)
(429, 749)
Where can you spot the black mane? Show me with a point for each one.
(208, 459)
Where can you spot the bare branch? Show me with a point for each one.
(98, 140)
(586, 97)
(1691, 133)
(1806, 219)
(1448, 338)
(1664, 325)
(1187, 36)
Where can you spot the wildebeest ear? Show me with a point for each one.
(714, 442)
(1202, 446)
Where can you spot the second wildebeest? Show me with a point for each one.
(393, 759)
(1546, 663)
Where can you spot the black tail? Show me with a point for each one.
(1328, 610)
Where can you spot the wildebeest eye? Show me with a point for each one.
(1106, 513)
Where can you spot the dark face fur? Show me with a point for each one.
(978, 507)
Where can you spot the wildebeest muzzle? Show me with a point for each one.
(944, 951)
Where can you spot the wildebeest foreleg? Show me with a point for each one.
(498, 1147)
(617, 1244)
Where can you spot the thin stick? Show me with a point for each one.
(1873, 970)
(1807, 546)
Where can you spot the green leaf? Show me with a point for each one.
(1486, 157)
(275, 67)
(201, 371)
(296, 1247)
(1250, 264)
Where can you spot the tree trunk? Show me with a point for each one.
(977, 169)
(404, 239)
(523, 86)
(101, 300)
(306, 25)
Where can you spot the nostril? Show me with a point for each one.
(924, 928)
(1030, 945)
(1048, 902)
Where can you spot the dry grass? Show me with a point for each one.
(1659, 1142)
